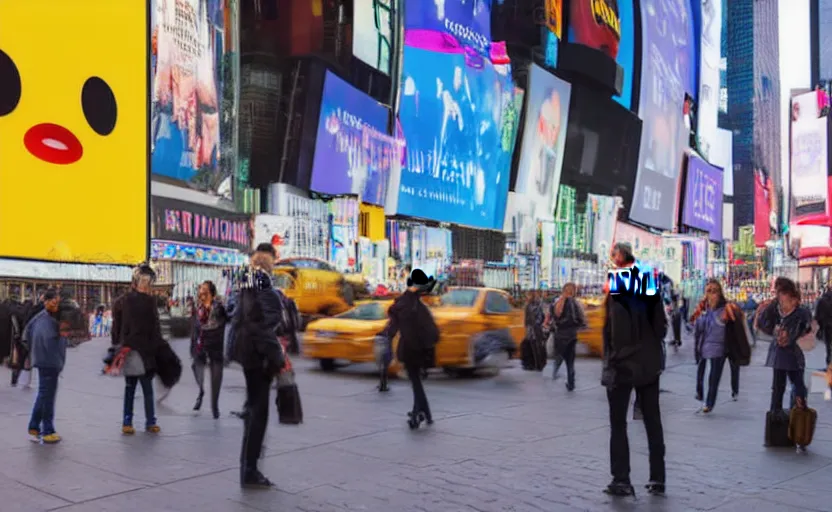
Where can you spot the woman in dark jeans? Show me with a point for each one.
(136, 326)
(207, 338)
(567, 319)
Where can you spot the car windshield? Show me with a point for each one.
(460, 298)
(304, 263)
(370, 311)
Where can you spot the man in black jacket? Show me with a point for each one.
(418, 334)
(258, 320)
(634, 332)
(823, 316)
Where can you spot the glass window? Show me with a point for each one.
(305, 263)
(461, 297)
(497, 303)
(368, 311)
(283, 281)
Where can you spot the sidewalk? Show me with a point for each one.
(516, 442)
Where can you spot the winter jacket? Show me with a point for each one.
(709, 334)
(823, 311)
(413, 348)
(47, 346)
(136, 325)
(634, 331)
(797, 324)
(208, 338)
(570, 321)
(259, 318)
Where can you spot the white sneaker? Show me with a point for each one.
(827, 395)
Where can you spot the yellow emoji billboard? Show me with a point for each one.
(74, 130)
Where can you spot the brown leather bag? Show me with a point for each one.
(802, 422)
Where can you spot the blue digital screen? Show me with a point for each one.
(638, 281)
(586, 29)
(453, 118)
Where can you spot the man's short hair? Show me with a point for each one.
(266, 248)
(625, 250)
(50, 294)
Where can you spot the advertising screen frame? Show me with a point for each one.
(62, 251)
(660, 161)
(322, 171)
(703, 192)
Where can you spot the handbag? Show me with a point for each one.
(382, 350)
(289, 409)
(133, 365)
(550, 345)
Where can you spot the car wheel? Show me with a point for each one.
(327, 365)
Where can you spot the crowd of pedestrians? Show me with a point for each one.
(256, 325)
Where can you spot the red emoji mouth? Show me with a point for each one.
(53, 143)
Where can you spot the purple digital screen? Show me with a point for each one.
(703, 198)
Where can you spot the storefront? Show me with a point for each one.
(89, 285)
(193, 243)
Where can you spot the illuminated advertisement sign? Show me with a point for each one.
(339, 166)
(74, 131)
(666, 76)
(457, 167)
(441, 25)
(608, 26)
(703, 198)
(371, 37)
(188, 39)
(542, 147)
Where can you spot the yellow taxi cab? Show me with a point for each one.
(592, 336)
(470, 320)
(317, 287)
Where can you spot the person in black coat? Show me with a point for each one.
(257, 323)
(418, 334)
(634, 329)
(207, 340)
(136, 326)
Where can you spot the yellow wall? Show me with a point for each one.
(373, 216)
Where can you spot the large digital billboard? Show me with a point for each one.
(665, 74)
(188, 51)
(74, 131)
(708, 112)
(541, 150)
(452, 116)
(609, 26)
(442, 25)
(372, 40)
(339, 166)
(703, 198)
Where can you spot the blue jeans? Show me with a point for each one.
(717, 365)
(130, 394)
(43, 413)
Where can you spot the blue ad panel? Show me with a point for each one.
(609, 26)
(441, 24)
(339, 167)
(453, 118)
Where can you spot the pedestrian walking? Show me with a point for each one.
(787, 322)
(258, 321)
(46, 337)
(207, 337)
(22, 371)
(719, 335)
(567, 319)
(634, 329)
(136, 327)
(418, 334)
(823, 316)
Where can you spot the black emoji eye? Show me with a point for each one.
(99, 104)
(10, 85)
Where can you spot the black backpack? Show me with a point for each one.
(424, 325)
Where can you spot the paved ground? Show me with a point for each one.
(517, 442)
